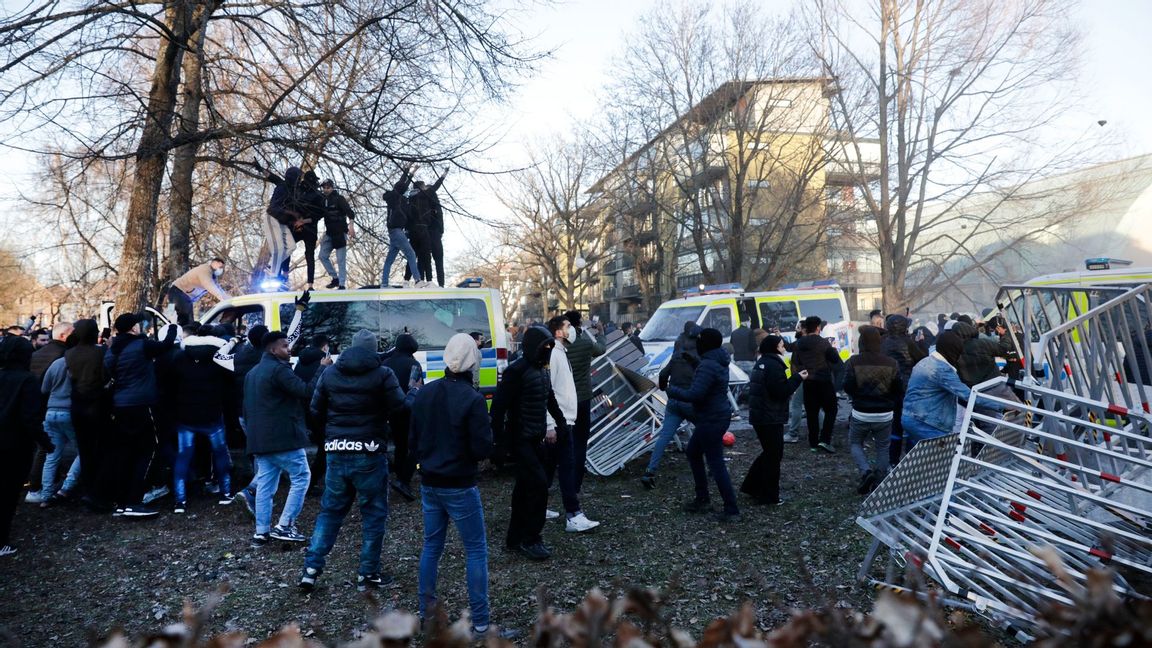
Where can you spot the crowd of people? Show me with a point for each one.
(300, 202)
(149, 416)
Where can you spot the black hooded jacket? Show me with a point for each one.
(681, 367)
(900, 346)
(871, 378)
(978, 361)
(401, 362)
(450, 432)
(200, 387)
(769, 390)
(20, 420)
(425, 208)
(817, 355)
(524, 397)
(308, 363)
(397, 202)
(282, 206)
(353, 399)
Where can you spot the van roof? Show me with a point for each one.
(802, 294)
(1095, 277)
(368, 293)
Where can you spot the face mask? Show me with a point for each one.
(570, 334)
(216, 272)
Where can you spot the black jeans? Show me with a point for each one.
(420, 239)
(707, 445)
(819, 395)
(559, 459)
(182, 303)
(896, 440)
(436, 247)
(309, 254)
(130, 450)
(580, 434)
(529, 496)
(763, 479)
(14, 466)
(90, 419)
(403, 462)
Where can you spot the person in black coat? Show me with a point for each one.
(20, 429)
(399, 213)
(520, 408)
(769, 391)
(339, 228)
(403, 363)
(679, 371)
(426, 208)
(874, 382)
(899, 345)
(817, 355)
(709, 398)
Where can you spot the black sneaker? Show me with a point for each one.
(727, 518)
(259, 540)
(308, 579)
(341, 287)
(374, 581)
(332, 284)
(535, 551)
(118, 512)
(404, 489)
(287, 534)
(862, 487)
(180, 508)
(648, 481)
(826, 447)
(226, 499)
(139, 512)
(508, 634)
(698, 506)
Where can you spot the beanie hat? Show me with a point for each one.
(256, 334)
(770, 344)
(460, 353)
(710, 339)
(365, 339)
(949, 345)
(125, 322)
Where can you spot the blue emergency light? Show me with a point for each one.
(714, 289)
(1104, 263)
(471, 282)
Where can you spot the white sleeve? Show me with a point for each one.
(294, 329)
(564, 385)
(224, 356)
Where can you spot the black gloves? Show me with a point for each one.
(303, 300)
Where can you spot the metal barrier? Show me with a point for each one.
(627, 408)
(974, 507)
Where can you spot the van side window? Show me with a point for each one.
(433, 321)
(241, 318)
(828, 310)
(779, 316)
(719, 318)
(339, 321)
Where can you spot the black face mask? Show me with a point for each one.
(544, 353)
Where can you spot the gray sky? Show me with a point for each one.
(588, 34)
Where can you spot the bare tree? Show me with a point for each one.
(962, 96)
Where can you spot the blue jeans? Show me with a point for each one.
(675, 413)
(707, 444)
(349, 478)
(58, 427)
(398, 242)
(796, 411)
(461, 506)
(268, 469)
(326, 251)
(186, 448)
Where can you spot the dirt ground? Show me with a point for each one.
(79, 575)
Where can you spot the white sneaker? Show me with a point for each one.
(155, 494)
(551, 515)
(7, 550)
(424, 284)
(35, 498)
(408, 284)
(579, 524)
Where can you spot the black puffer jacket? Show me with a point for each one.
(978, 361)
(769, 390)
(401, 362)
(397, 202)
(871, 378)
(524, 397)
(900, 346)
(681, 367)
(308, 363)
(817, 355)
(354, 397)
(199, 385)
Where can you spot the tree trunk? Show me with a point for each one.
(133, 276)
(184, 157)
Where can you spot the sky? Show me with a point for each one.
(587, 34)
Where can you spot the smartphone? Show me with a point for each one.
(595, 319)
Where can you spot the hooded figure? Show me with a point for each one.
(283, 215)
(353, 398)
(679, 371)
(930, 403)
(403, 363)
(20, 428)
(874, 382)
(769, 390)
(708, 395)
(520, 408)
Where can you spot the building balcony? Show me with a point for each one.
(630, 291)
(618, 264)
(851, 162)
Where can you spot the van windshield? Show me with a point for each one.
(668, 323)
(828, 310)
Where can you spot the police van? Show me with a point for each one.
(431, 315)
(723, 307)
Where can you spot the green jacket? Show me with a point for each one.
(580, 354)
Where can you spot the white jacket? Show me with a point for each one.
(563, 385)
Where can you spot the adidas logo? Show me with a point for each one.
(347, 445)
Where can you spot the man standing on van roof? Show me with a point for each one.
(193, 285)
(398, 213)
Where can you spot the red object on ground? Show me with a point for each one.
(729, 439)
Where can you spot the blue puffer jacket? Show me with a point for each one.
(930, 402)
(709, 391)
(354, 397)
(129, 362)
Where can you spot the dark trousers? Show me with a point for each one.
(130, 450)
(819, 395)
(309, 255)
(91, 423)
(421, 242)
(14, 466)
(182, 303)
(436, 248)
(580, 433)
(896, 440)
(763, 479)
(403, 463)
(707, 445)
(559, 460)
(529, 496)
